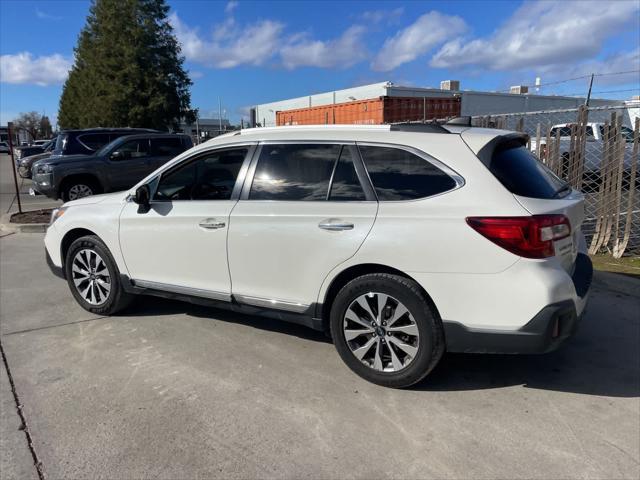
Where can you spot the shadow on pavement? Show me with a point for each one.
(603, 358)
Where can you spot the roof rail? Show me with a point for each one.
(460, 121)
(418, 127)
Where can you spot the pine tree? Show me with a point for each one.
(128, 71)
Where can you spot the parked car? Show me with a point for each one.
(24, 151)
(594, 147)
(40, 143)
(4, 147)
(24, 164)
(89, 140)
(402, 242)
(116, 166)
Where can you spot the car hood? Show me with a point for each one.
(35, 158)
(115, 197)
(57, 159)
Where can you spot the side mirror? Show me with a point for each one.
(142, 197)
(117, 155)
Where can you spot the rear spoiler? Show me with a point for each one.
(499, 143)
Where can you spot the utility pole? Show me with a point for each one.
(219, 116)
(13, 166)
(589, 93)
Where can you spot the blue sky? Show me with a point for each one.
(250, 52)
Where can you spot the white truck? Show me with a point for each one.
(593, 148)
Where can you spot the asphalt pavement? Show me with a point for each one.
(8, 201)
(172, 390)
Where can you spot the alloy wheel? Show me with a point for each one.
(381, 332)
(91, 276)
(79, 190)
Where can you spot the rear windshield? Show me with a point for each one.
(523, 174)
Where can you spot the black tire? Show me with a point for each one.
(117, 299)
(69, 185)
(431, 343)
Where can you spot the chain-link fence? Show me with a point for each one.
(596, 150)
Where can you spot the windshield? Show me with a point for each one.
(627, 133)
(61, 142)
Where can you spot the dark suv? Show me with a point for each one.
(116, 166)
(88, 141)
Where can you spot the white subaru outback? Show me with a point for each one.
(401, 242)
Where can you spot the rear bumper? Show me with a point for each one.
(543, 333)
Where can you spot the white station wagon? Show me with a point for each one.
(401, 242)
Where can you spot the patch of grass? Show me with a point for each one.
(626, 265)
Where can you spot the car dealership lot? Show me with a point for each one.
(8, 203)
(173, 390)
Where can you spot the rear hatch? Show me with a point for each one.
(537, 189)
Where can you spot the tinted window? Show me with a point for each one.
(94, 141)
(294, 172)
(166, 147)
(211, 177)
(400, 175)
(345, 185)
(522, 174)
(134, 149)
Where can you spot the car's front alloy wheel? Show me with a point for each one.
(79, 190)
(91, 277)
(94, 278)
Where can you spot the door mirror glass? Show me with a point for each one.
(117, 155)
(142, 197)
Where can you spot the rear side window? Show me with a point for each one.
(294, 172)
(522, 174)
(401, 175)
(166, 147)
(94, 141)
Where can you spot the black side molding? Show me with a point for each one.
(57, 271)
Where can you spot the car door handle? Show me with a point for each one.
(335, 225)
(211, 224)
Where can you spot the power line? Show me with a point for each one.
(558, 82)
(607, 91)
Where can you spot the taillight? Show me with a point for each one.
(529, 237)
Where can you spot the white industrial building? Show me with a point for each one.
(473, 103)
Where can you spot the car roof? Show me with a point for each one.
(110, 130)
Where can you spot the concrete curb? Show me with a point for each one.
(7, 227)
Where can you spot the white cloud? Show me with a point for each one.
(378, 16)
(542, 34)
(229, 46)
(341, 52)
(231, 6)
(46, 16)
(428, 31)
(24, 68)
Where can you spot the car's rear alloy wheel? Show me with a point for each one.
(386, 329)
(381, 332)
(79, 190)
(91, 277)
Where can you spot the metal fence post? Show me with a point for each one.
(13, 166)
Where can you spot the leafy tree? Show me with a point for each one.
(128, 71)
